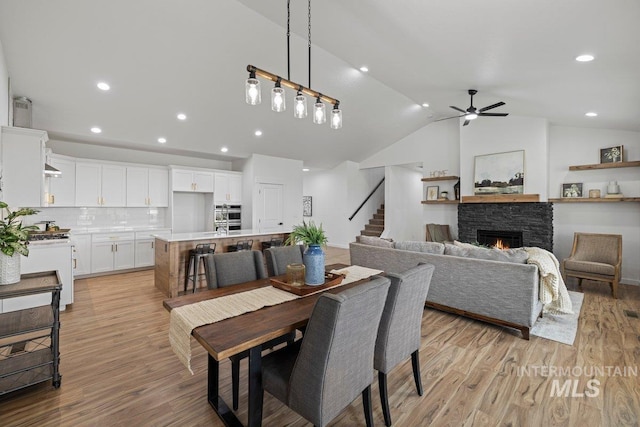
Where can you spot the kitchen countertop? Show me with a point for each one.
(208, 235)
(93, 230)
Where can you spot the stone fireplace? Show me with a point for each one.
(534, 221)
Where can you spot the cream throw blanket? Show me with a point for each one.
(553, 292)
(183, 320)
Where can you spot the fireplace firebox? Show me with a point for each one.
(500, 238)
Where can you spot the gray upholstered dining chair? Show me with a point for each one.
(399, 333)
(279, 257)
(232, 268)
(324, 372)
(595, 257)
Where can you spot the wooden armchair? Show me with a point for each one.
(595, 257)
(438, 233)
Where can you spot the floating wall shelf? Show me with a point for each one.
(440, 178)
(594, 200)
(502, 198)
(634, 163)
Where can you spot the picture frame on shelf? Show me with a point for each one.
(432, 192)
(499, 173)
(306, 206)
(612, 154)
(572, 190)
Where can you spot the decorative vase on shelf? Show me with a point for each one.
(313, 260)
(9, 268)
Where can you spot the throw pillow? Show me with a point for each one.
(426, 247)
(376, 241)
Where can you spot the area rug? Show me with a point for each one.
(560, 327)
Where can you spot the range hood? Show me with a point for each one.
(50, 171)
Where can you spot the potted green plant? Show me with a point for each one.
(314, 238)
(14, 239)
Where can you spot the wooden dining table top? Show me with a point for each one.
(236, 334)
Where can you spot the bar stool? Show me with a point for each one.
(241, 245)
(195, 256)
(274, 242)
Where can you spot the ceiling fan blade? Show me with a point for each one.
(496, 105)
(447, 118)
(458, 109)
(466, 122)
(494, 114)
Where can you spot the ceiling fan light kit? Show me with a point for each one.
(278, 104)
(473, 113)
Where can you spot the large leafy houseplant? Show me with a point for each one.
(308, 234)
(13, 236)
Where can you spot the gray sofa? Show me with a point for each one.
(498, 292)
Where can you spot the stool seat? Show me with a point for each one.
(195, 256)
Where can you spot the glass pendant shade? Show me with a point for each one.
(336, 118)
(300, 110)
(252, 91)
(319, 112)
(277, 99)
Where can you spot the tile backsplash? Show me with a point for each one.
(80, 219)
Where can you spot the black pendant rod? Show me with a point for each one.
(288, 36)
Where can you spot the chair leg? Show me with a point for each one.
(614, 289)
(235, 382)
(366, 403)
(415, 362)
(384, 398)
(580, 284)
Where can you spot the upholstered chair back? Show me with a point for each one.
(231, 268)
(278, 257)
(601, 248)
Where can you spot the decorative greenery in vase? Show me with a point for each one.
(13, 236)
(307, 233)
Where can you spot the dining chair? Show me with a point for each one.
(232, 268)
(399, 333)
(279, 257)
(438, 233)
(324, 372)
(595, 257)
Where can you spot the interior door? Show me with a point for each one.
(270, 209)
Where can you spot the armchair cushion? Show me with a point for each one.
(589, 267)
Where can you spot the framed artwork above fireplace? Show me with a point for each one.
(499, 173)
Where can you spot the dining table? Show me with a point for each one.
(248, 332)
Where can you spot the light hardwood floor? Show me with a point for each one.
(118, 369)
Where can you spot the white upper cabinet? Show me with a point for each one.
(23, 167)
(192, 180)
(100, 185)
(147, 187)
(228, 188)
(62, 190)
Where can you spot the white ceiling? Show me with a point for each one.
(165, 57)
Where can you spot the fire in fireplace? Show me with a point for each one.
(500, 239)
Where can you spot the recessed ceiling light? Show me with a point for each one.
(425, 105)
(584, 58)
(305, 169)
(96, 130)
(224, 149)
(591, 114)
(258, 133)
(364, 69)
(162, 140)
(103, 86)
(181, 116)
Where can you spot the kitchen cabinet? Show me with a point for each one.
(147, 187)
(145, 247)
(61, 190)
(23, 156)
(101, 185)
(82, 254)
(112, 251)
(30, 338)
(228, 188)
(198, 181)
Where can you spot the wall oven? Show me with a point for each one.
(232, 213)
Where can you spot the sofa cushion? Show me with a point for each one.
(375, 241)
(517, 255)
(416, 246)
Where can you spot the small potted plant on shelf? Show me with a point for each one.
(314, 238)
(14, 239)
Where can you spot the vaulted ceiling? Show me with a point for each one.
(190, 56)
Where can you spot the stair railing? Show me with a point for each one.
(366, 199)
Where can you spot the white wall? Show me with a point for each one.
(496, 135)
(403, 210)
(5, 100)
(580, 146)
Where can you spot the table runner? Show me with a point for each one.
(183, 320)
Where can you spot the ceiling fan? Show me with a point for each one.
(472, 112)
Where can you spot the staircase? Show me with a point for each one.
(376, 224)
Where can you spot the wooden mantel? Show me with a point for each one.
(502, 198)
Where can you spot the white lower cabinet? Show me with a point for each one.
(145, 253)
(112, 251)
(82, 254)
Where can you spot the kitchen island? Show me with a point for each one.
(171, 252)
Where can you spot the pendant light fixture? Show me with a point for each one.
(252, 87)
